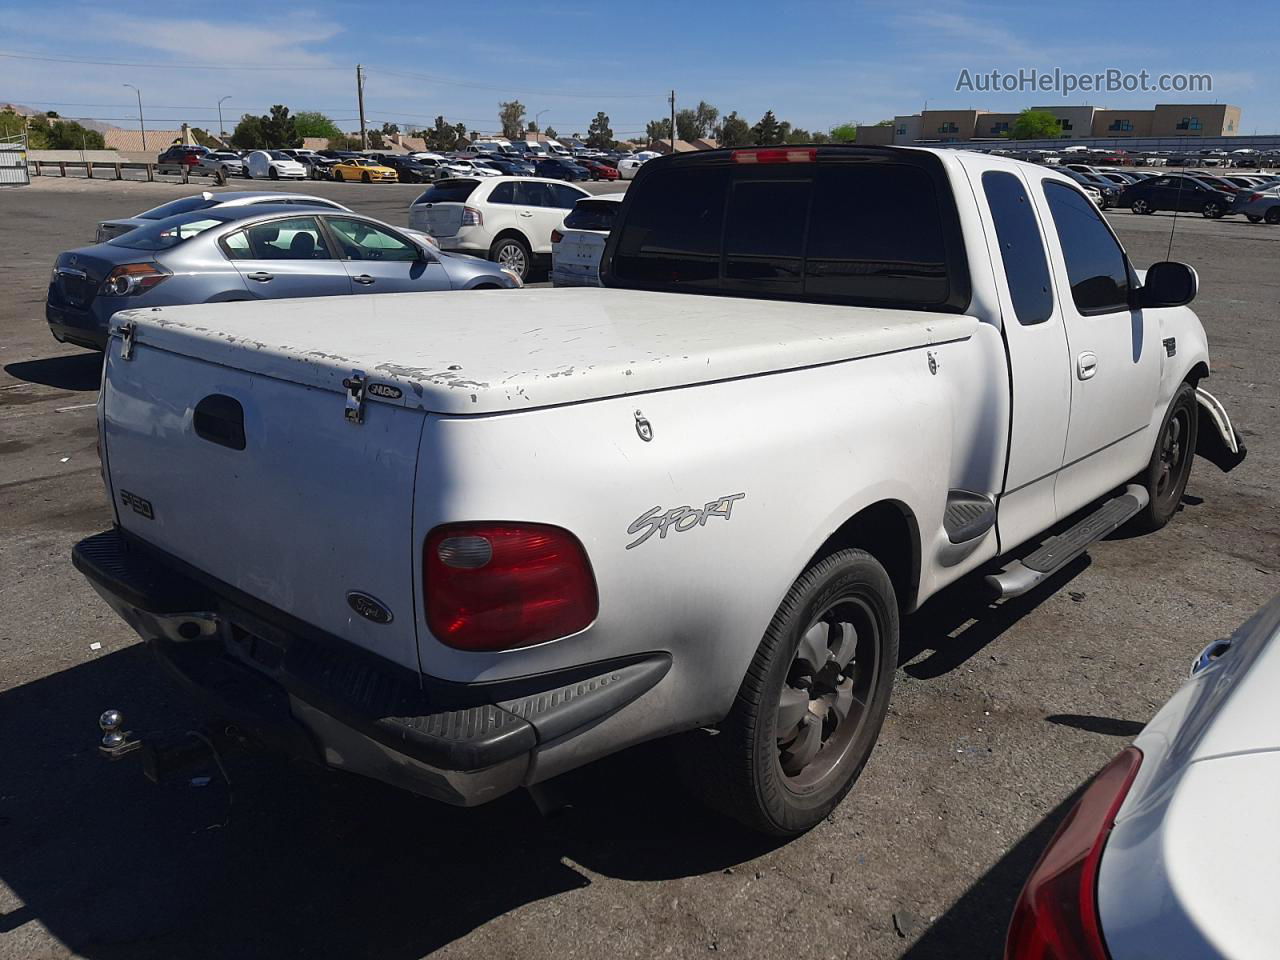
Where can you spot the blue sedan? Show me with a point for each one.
(249, 253)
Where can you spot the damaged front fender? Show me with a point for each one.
(1217, 441)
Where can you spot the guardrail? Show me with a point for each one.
(116, 171)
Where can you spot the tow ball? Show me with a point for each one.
(165, 758)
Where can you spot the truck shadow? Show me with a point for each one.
(76, 371)
(290, 860)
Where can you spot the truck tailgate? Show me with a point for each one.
(312, 509)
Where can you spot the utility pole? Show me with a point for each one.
(364, 136)
(141, 125)
(673, 121)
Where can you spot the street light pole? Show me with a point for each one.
(141, 125)
(222, 131)
(537, 117)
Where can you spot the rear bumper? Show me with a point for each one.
(81, 327)
(315, 696)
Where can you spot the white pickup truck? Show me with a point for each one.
(466, 547)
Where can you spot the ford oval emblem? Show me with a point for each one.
(368, 607)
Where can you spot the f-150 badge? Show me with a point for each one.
(680, 518)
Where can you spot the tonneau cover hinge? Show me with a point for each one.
(128, 334)
(355, 383)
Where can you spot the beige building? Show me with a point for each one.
(1195, 120)
(949, 126)
(874, 135)
(1122, 123)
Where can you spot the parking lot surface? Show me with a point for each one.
(1000, 714)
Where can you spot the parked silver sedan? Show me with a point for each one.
(107, 229)
(1258, 205)
(220, 161)
(254, 252)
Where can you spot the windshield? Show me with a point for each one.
(279, 155)
(175, 207)
(168, 233)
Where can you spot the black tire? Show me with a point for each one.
(366, 178)
(782, 777)
(274, 174)
(1272, 216)
(1253, 218)
(512, 252)
(1212, 210)
(1166, 475)
(1141, 206)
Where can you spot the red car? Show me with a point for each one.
(599, 171)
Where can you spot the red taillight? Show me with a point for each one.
(495, 586)
(1056, 916)
(471, 217)
(1255, 197)
(780, 155)
(131, 279)
(556, 236)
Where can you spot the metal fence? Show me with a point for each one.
(13, 161)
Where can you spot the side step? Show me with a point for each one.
(1056, 552)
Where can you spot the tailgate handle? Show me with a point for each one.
(220, 419)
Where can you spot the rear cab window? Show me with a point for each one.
(843, 225)
(448, 191)
(1026, 267)
(592, 215)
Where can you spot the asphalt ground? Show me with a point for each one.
(1000, 714)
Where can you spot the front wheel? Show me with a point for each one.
(1141, 206)
(810, 708)
(1272, 216)
(1212, 210)
(1253, 218)
(511, 252)
(366, 177)
(1166, 475)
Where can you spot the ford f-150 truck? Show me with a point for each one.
(464, 547)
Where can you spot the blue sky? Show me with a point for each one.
(813, 63)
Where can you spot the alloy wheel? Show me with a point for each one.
(827, 693)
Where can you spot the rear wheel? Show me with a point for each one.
(1212, 210)
(1166, 475)
(1253, 218)
(812, 703)
(513, 253)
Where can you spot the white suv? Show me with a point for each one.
(506, 219)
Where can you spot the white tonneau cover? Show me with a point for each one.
(488, 351)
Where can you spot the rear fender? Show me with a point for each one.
(1217, 441)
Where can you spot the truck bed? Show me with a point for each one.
(481, 352)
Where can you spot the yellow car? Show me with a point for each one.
(360, 168)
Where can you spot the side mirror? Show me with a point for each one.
(1169, 284)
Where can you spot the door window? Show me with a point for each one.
(1096, 266)
(503, 193)
(564, 196)
(361, 240)
(298, 238)
(237, 246)
(534, 195)
(1021, 249)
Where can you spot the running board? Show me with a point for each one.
(1056, 552)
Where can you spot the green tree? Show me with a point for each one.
(11, 122)
(734, 131)
(798, 135)
(312, 123)
(69, 135)
(248, 134)
(390, 129)
(344, 142)
(687, 125)
(708, 118)
(599, 133)
(820, 137)
(768, 132)
(511, 116)
(1035, 125)
(460, 132)
(551, 133)
(205, 138)
(376, 140)
(658, 130)
(279, 128)
(844, 133)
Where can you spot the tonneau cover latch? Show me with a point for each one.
(355, 396)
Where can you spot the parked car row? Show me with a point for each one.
(1116, 156)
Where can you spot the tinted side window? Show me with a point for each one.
(447, 191)
(674, 236)
(533, 194)
(298, 238)
(503, 193)
(1096, 266)
(876, 233)
(1021, 248)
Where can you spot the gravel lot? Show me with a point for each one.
(1000, 714)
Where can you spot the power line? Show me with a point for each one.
(522, 92)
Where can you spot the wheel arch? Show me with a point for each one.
(509, 232)
(1199, 371)
(889, 531)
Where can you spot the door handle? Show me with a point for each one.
(1086, 365)
(363, 278)
(261, 276)
(525, 213)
